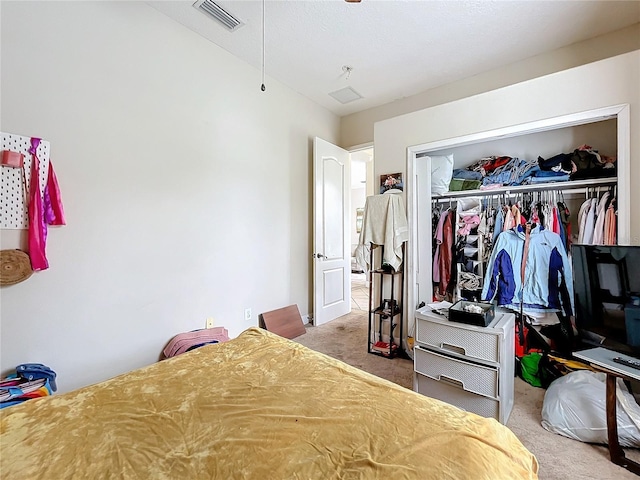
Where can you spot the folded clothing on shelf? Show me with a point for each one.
(460, 184)
(496, 171)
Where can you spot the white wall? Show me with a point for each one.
(357, 128)
(187, 191)
(600, 84)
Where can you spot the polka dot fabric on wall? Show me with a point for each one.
(13, 210)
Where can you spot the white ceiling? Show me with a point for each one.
(397, 48)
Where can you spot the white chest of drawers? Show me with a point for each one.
(464, 365)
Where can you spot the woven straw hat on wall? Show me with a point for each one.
(15, 267)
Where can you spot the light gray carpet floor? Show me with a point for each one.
(560, 458)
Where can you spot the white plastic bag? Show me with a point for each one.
(575, 406)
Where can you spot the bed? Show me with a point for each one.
(256, 407)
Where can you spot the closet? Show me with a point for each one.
(606, 130)
(475, 219)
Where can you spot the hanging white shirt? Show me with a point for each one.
(384, 223)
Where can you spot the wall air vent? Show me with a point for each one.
(345, 95)
(215, 11)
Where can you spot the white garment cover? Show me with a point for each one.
(384, 223)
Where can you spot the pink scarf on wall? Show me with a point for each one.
(43, 210)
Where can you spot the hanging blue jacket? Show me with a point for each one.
(548, 283)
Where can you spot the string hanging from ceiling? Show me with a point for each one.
(262, 87)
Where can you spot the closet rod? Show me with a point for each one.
(573, 186)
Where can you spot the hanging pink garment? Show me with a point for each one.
(610, 225)
(52, 200)
(37, 228)
(517, 218)
(42, 212)
(509, 221)
(555, 225)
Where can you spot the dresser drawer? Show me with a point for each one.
(454, 395)
(481, 343)
(468, 376)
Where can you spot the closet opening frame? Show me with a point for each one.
(418, 264)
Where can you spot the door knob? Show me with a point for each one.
(318, 255)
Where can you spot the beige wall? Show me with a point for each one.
(187, 190)
(601, 84)
(358, 127)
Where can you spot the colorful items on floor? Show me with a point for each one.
(31, 380)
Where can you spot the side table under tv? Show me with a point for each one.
(602, 359)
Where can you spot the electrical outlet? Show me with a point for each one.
(210, 322)
(247, 314)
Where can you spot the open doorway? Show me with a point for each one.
(361, 187)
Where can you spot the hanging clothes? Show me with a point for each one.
(590, 222)
(547, 216)
(480, 223)
(509, 221)
(610, 224)
(555, 221)
(439, 238)
(548, 282)
(497, 224)
(43, 210)
(54, 211)
(598, 229)
(384, 223)
(446, 254)
(435, 219)
(485, 232)
(517, 217)
(565, 225)
(37, 230)
(582, 219)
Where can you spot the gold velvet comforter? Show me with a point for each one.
(257, 407)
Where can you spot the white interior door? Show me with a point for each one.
(331, 232)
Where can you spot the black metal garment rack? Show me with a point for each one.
(385, 310)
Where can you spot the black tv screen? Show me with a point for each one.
(606, 284)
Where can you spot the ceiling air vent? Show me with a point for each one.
(345, 95)
(215, 11)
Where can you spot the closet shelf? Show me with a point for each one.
(576, 186)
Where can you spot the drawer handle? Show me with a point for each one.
(452, 381)
(453, 348)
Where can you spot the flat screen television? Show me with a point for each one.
(606, 284)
